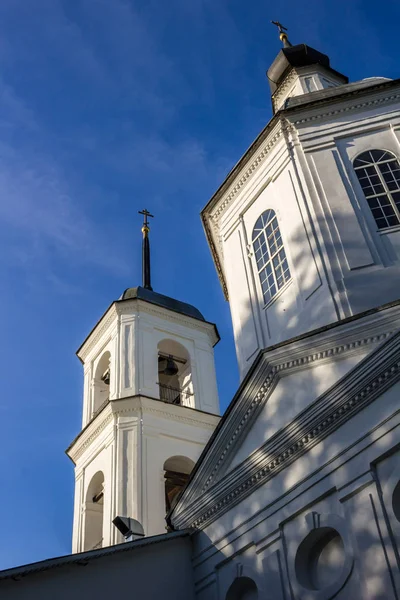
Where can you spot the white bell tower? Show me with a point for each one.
(150, 404)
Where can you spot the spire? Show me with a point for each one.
(282, 34)
(146, 249)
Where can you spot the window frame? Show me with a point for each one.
(386, 193)
(261, 263)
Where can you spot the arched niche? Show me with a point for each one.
(177, 470)
(174, 373)
(94, 502)
(243, 588)
(101, 383)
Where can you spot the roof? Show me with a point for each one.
(297, 56)
(141, 293)
(85, 557)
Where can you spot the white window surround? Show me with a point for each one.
(270, 258)
(378, 172)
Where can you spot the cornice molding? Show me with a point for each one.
(167, 315)
(242, 178)
(204, 423)
(78, 447)
(98, 332)
(374, 375)
(274, 372)
(283, 88)
(118, 407)
(344, 109)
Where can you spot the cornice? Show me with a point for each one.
(275, 371)
(282, 90)
(167, 315)
(134, 404)
(211, 218)
(182, 419)
(348, 108)
(374, 375)
(98, 331)
(243, 177)
(83, 442)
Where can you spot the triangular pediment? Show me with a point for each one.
(291, 395)
(287, 389)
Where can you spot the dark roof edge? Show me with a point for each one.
(82, 558)
(253, 367)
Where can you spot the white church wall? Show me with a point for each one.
(305, 301)
(333, 486)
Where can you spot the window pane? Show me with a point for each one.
(378, 172)
(267, 245)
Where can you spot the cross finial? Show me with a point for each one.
(146, 249)
(282, 34)
(145, 214)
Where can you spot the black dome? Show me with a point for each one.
(182, 308)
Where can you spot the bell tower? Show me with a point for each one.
(150, 404)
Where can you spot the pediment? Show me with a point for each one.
(292, 394)
(289, 385)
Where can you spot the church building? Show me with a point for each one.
(294, 493)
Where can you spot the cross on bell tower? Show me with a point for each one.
(146, 272)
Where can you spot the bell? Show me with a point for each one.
(171, 367)
(162, 364)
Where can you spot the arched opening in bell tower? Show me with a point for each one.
(175, 373)
(93, 537)
(101, 384)
(177, 470)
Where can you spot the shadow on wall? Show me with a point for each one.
(337, 538)
(340, 538)
(319, 291)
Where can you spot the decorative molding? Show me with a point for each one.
(83, 442)
(170, 416)
(243, 177)
(283, 88)
(271, 380)
(338, 111)
(78, 447)
(376, 373)
(166, 315)
(97, 332)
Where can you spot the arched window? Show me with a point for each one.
(176, 472)
(272, 265)
(243, 588)
(94, 513)
(175, 374)
(378, 172)
(101, 384)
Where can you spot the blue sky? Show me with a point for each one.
(106, 107)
